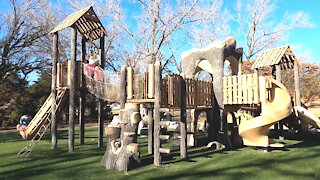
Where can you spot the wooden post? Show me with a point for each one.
(55, 56)
(59, 75)
(150, 128)
(278, 73)
(297, 82)
(240, 66)
(82, 93)
(156, 113)
(123, 86)
(129, 83)
(150, 80)
(279, 124)
(183, 123)
(100, 101)
(72, 88)
(195, 117)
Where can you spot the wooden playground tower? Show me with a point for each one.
(88, 24)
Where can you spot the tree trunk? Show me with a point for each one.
(122, 151)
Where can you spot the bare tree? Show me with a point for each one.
(21, 41)
(214, 24)
(254, 18)
(163, 27)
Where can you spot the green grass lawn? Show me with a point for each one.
(301, 160)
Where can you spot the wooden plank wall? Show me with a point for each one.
(199, 93)
(164, 91)
(241, 89)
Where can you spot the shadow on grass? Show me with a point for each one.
(45, 161)
(10, 137)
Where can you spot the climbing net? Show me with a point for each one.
(102, 84)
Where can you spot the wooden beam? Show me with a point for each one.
(183, 122)
(100, 101)
(82, 93)
(140, 100)
(72, 88)
(91, 18)
(123, 86)
(278, 73)
(164, 150)
(129, 83)
(150, 128)
(297, 83)
(55, 57)
(164, 137)
(150, 80)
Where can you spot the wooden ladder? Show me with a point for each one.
(25, 151)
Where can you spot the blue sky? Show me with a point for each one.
(304, 42)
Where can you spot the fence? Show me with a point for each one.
(241, 89)
(140, 87)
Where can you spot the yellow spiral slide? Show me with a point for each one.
(275, 105)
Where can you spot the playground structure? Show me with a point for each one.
(181, 95)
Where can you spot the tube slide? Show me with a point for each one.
(307, 116)
(275, 105)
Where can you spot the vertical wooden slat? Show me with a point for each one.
(180, 81)
(255, 89)
(235, 89)
(59, 75)
(123, 84)
(229, 90)
(250, 90)
(170, 91)
(263, 87)
(225, 90)
(240, 96)
(151, 81)
(244, 89)
(68, 73)
(129, 83)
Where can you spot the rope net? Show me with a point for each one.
(102, 84)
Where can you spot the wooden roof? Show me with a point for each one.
(86, 21)
(281, 55)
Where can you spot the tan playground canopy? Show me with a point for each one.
(86, 21)
(281, 55)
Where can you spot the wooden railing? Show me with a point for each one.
(241, 89)
(198, 93)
